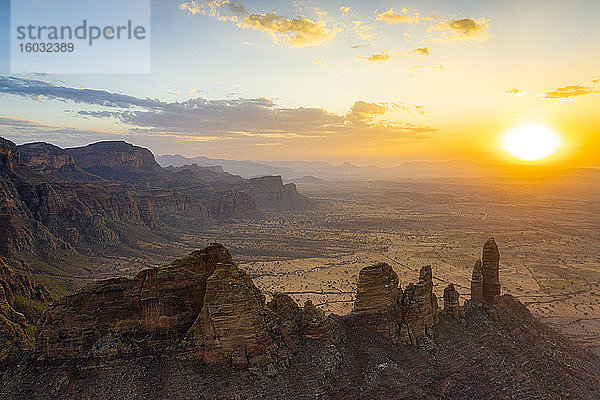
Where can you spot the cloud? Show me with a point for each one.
(382, 56)
(362, 30)
(28, 130)
(569, 92)
(362, 112)
(34, 88)
(423, 51)
(214, 7)
(405, 16)
(514, 92)
(467, 28)
(298, 32)
(201, 119)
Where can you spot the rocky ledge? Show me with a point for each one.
(205, 307)
(199, 328)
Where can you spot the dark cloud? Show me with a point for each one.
(39, 89)
(204, 119)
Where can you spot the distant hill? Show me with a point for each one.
(293, 170)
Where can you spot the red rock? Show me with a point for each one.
(490, 262)
(477, 283)
(451, 305)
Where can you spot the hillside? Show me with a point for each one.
(201, 329)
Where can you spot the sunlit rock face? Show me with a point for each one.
(490, 262)
(201, 306)
(405, 317)
(204, 306)
(377, 291)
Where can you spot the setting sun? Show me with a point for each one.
(531, 142)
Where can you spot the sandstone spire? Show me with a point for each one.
(451, 296)
(477, 283)
(377, 290)
(490, 265)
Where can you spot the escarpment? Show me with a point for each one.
(203, 306)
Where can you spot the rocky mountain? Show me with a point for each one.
(46, 158)
(269, 192)
(199, 328)
(246, 169)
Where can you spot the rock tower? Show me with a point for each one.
(477, 283)
(490, 262)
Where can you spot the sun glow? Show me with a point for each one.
(531, 142)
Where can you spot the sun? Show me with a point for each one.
(531, 142)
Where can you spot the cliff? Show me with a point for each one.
(199, 328)
(21, 304)
(46, 158)
(268, 192)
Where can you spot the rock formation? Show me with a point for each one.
(451, 306)
(143, 337)
(202, 303)
(377, 291)
(485, 280)
(269, 192)
(403, 317)
(46, 158)
(21, 302)
(490, 261)
(419, 310)
(203, 306)
(477, 283)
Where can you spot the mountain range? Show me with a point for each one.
(59, 205)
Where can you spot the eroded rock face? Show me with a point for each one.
(405, 318)
(490, 262)
(419, 311)
(451, 306)
(46, 158)
(157, 307)
(377, 291)
(477, 283)
(43, 157)
(108, 159)
(203, 305)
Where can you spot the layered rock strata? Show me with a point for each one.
(490, 262)
(477, 283)
(204, 306)
(451, 306)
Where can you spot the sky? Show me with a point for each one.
(372, 83)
